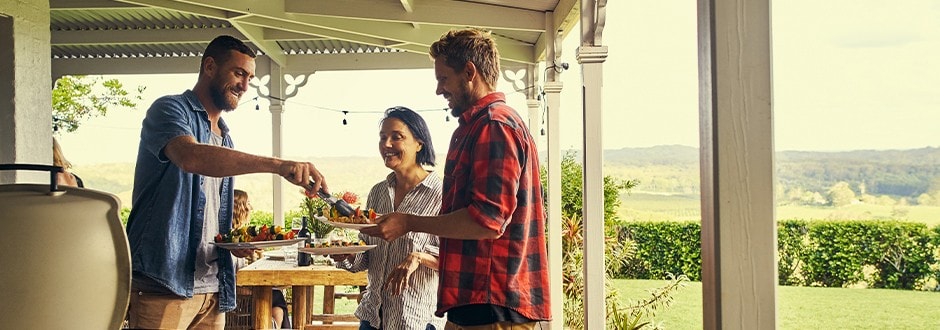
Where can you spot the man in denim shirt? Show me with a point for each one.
(183, 195)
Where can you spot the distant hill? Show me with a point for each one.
(663, 169)
(674, 169)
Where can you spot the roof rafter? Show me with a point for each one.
(435, 12)
(88, 4)
(383, 34)
(256, 35)
(110, 37)
(560, 22)
(182, 7)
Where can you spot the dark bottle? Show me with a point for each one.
(303, 259)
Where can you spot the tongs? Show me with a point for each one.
(338, 203)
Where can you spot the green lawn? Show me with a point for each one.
(809, 308)
(797, 307)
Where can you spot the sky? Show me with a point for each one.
(847, 75)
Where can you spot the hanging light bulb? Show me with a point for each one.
(446, 117)
(344, 117)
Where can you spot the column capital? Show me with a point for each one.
(592, 54)
(553, 86)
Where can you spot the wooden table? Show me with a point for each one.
(265, 274)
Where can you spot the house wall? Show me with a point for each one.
(25, 87)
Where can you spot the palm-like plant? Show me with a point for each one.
(637, 314)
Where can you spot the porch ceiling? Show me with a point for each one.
(88, 35)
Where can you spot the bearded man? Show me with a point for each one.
(183, 194)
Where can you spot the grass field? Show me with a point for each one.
(797, 307)
(808, 307)
(686, 207)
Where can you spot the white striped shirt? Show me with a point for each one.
(414, 308)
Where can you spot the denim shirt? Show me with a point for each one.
(165, 224)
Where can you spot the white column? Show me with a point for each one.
(592, 68)
(25, 88)
(737, 165)
(535, 118)
(553, 112)
(277, 109)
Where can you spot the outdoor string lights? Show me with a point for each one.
(344, 112)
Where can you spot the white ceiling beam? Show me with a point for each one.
(88, 4)
(351, 62)
(154, 36)
(281, 35)
(255, 34)
(434, 12)
(296, 64)
(391, 34)
(271, 15)
(408, 5)
(423, 37)
(182, 7)
(138, 65)
(311, 30)
(562, 22)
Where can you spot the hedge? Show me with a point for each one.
(829, 253)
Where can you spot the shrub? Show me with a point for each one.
(900, 252)
(663, 248)
(791, 250)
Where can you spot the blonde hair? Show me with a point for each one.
(240, 209)
(473, 45)
(58, 159)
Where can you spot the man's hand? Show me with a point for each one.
(301, 174)
(389, 226)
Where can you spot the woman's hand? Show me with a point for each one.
(398, 279)
(241, 253)
(341, 257)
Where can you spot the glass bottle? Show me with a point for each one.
(303, 259)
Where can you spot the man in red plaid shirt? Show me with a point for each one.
(493, 263)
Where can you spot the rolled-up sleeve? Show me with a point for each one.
(496, 172)
(166, 119)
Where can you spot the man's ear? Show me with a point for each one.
(470, 70)
(209, 65)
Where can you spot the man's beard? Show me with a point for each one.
(461, 100)
(219, 98)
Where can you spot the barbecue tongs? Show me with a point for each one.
(338, 203)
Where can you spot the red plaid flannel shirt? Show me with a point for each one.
(492, 169)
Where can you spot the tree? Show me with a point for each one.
(78, 98)
(572, 189)
(925, 199)
(841, 195)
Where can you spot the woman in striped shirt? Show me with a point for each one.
(402, 291)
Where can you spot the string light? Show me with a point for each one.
(346, 112)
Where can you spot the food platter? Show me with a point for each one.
(274, 254)
(346, 225)
(352, 249)
(257, 245)
(350, 225)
